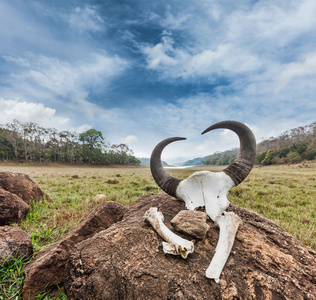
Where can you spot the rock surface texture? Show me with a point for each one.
(21, 185)
(126, 261)
(48, 266)
(12, 208)
(191, 222)
(14, 242)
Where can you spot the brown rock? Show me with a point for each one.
(126, 261)
(12, 208)
(191, 222)
(48, 266)
(21, 185)
(14, 242)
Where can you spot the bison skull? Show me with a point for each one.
(210, 189)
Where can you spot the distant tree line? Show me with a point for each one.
(293, 146)
(31, 142)
(194, 162)
(221, 158)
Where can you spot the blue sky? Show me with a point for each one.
(141, 71)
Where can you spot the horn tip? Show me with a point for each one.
(205, 131)
(177, 139)
(208, 129)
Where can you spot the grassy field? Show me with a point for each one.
(284, 194)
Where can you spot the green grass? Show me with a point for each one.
(283, 194)
(11, 279)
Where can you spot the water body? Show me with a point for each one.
(178, 167)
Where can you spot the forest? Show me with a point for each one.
(292, 146)
(30, 142)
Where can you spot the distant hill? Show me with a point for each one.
(221, 158)
(193, 162)
(292, 146)
(144, 161)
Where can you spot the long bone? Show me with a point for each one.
(228, 226)
(210, 189)
(176, 244)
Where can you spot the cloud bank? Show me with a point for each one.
(144, 71)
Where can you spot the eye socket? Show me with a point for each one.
(217, 196)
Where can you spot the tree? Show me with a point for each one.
(52, 144)
(30, 133)
(92, 142)
(66, 145)
(268, 158)
(13, 136)
(92, 138)
(6, 149)
(284, 152)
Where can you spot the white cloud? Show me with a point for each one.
(130, 139)
(157, 56)
(225, 59)
(272, 21)
(79, 114)
(82, 128)
(294, 70)
(31, 112)
(173, 22)
(19, 61)
(187, 118)
(244, 40)
(42, 74)
(84, 19)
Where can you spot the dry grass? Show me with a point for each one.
(284, 194)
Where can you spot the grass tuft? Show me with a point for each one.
(11, 278)
(112, 181)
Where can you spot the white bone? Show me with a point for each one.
(210, 190)
(207, 189)
(228, 226)
(176, 245)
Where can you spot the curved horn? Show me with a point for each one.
(246, 157)
(163, 179)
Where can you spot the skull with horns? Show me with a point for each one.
(206, 189)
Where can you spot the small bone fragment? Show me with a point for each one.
(191, 222)
(176, 244)
(228, 226)
(99, 198)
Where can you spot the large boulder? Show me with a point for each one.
(14, 242)
(22, 185)
(48, 267)
(12, 208)
(126, 261)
